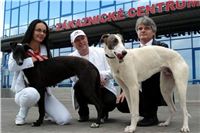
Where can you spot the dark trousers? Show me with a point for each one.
(108, 99)
(149, 99)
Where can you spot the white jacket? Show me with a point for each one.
(18, 77)
(97, 57)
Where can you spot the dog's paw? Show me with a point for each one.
(163, 124)
(185, 129)
(95, 125)
(129, 129)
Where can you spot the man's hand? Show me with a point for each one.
(103, 81)
(120, 98)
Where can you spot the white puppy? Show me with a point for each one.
(132, 66)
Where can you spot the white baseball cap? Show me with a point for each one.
(75, 34)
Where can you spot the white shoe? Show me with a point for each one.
(19, 121)
(20, 117)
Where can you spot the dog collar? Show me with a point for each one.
(110, 57)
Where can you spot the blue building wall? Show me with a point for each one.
(19, 13)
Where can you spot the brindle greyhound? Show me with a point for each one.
(54, 70)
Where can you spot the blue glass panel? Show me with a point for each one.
(33, 11)
(6, 33)
(7, 19)
(119, 7)
(79, 6)
(8, 4)
(92, 13)
(182, 43)
(197, 64)
(23, 2)
(23, 15)
(15, 3)
(79, 16)
(140, 3)
(54, 10)
(123, 1)
(93, 4)
(66, 7)
(43, 10)
(196, 42)
(187, 55)
(22, 29)
(128, 45)
(14, 31)
(127, 6)
(107, 10)
(106, 2)
(14, 20)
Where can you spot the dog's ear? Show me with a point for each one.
(26, 46)
(13, 45)
(104, 38)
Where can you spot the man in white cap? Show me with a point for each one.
(95, 55)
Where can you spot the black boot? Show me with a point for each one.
(148, 121)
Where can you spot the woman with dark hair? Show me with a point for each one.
(36, 37)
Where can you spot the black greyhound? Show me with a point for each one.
(54, 70)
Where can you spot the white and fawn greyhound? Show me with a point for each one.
(132, 66)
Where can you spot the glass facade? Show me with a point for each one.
(19, 13)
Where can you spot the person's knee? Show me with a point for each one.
(28, 97)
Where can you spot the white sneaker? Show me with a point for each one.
(19, 121)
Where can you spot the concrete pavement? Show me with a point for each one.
(116, 123)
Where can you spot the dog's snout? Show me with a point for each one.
(20, 62)
(124, 52)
